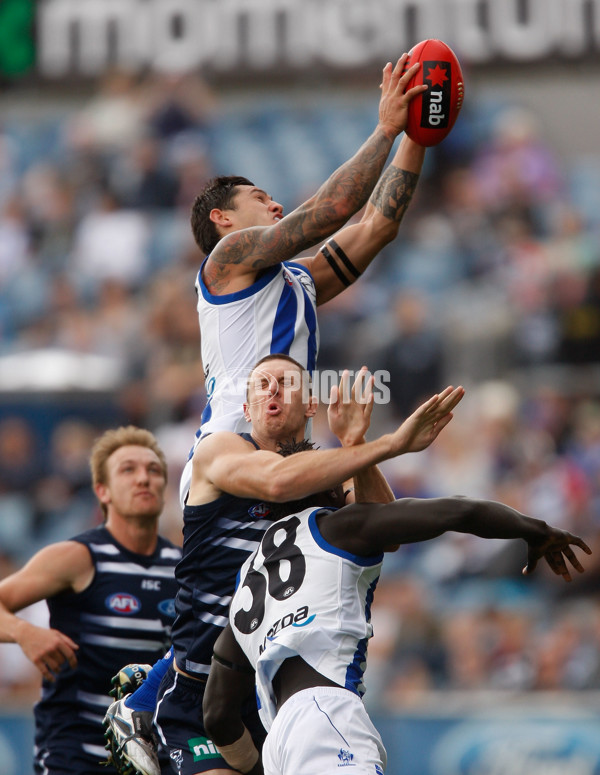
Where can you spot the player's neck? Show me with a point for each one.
(137, 535)
(272, 443)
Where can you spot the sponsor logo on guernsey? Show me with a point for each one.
(346, 758)
(259, 511)
(298, 618)
(123, 603)
(203, 748)
(167, 607)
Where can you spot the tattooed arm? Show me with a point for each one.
(245, 248)
(346, 256)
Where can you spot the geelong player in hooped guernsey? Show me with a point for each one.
(125, 615)
(111, 596)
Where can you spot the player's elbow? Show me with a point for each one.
(218, 718)
(277, 490)
(385, 230)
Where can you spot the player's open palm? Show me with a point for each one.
(350, 408)
(556, 549)
(424, 425)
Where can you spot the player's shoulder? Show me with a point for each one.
(66, 559)
(223, 441)
(300, 267)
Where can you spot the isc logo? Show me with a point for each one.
(123, 603)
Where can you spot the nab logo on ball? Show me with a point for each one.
(123, 603)
(435, 110)
(431, 114)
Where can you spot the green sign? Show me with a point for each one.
(17, 48)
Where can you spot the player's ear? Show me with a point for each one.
(246, 412)
(219, 217)
(102, 493)
(313, 405)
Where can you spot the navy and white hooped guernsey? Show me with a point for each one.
(276, 314)
(125, 615)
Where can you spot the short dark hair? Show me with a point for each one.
(279, 357)
(220, 193)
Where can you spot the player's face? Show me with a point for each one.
(254, 207)
(135, 483)
(278, 402)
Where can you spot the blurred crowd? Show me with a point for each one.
(493, 283)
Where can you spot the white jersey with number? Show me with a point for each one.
(300, 596)
(276, 314)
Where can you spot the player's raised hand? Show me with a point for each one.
(350, 408)
(424, 425)
(556, 549)
(394, 101)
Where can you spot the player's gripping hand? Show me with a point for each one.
(395, 99)
(128, 679)
(556, 549)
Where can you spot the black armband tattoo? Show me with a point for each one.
(344, 259)
(331, 261)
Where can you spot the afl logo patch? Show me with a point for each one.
(259, 511)
(287, 277)
(123, 603)
(167, 607)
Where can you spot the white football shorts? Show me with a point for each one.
(321, 731)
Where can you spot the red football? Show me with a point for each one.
(431, 115)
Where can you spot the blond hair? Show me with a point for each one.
(111, 441)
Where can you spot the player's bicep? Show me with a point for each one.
(343, 258)
(54, 569)
(245, 475)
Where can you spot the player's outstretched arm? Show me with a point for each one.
(342, 195)
(367, 529)
(230, 682)
(63, 566)
(224, 462)
(342, 260)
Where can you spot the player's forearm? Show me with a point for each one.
(371, 486)
(305, 473)
(349, 187)
(10, 626)
(490, 519)
(394, 191)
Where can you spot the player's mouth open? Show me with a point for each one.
(273, 408)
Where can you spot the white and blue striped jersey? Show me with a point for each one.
(300, 596)
(125, 615)
(276, 314)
